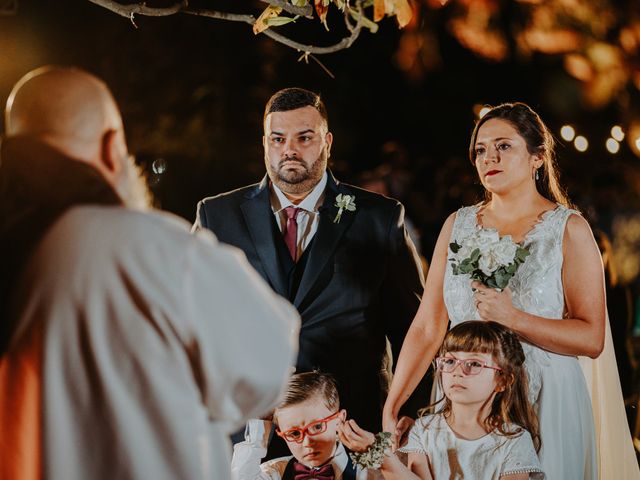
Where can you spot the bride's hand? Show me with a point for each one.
(494, 305)
(389, 422)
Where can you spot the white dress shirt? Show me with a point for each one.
(308, 217)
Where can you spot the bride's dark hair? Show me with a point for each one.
(539, 142)
(510, 405)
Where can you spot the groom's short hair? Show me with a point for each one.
(294, 98)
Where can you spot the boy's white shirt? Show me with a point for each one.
(245, 464)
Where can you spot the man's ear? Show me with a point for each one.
(343, 415)
(111, 155)
(329, 139)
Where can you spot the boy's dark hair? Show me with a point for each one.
(294, 98)
(304, 386)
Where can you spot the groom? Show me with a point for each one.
(340, 254)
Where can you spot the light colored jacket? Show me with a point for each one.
(139, 347)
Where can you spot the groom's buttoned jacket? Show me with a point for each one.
(358, 281)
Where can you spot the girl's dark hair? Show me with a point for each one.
(539, 141)
(510, 406)
(303, 386)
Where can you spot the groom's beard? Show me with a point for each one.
(132, 187)
(298, 181)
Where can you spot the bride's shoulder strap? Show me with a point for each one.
(465, 222)
(561, 216)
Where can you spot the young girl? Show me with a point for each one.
(486, 427)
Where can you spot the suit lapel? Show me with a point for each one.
(326, 238)
(257, 214)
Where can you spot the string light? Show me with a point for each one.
(581, 143)
(612, 145)
(617, 133)
(568, 133)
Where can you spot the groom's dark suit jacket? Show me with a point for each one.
(358, 281)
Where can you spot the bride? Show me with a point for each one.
(555, 302)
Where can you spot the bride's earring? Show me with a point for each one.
(537, 175)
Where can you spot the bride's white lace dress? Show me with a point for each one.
(571, 432)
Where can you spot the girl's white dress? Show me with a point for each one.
(486, 458)
(570, 430)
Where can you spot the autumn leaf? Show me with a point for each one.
(261, 23)
(403, 12)
(378, 10)
(277, 21)
(322, 7)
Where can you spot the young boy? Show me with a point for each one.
(308, 420)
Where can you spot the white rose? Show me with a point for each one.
(504, 251)
(484, 238)
(488, 263)
(464, 252)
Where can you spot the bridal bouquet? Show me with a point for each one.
(487, 258)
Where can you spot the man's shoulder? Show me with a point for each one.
(114, 216)
(368, 200)
(233, 196)
(103, 225)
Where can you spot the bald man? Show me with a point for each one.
(134, 347)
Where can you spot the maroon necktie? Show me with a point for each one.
(291, 232)
(302, 472)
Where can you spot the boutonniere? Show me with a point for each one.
(344, 202)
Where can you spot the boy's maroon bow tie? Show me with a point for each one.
(302, 472)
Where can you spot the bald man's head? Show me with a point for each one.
(75, 113)
(67, 108)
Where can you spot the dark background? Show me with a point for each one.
(192, 92)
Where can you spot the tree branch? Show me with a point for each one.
(139, 8)
(341, 45)
(306, 11)
(129, 10)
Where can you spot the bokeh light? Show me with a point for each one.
(568, 133)
(581, 143)
(617, 133)
(612, 145)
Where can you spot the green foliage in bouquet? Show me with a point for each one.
(492, 263)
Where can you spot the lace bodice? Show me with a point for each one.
(536, 287)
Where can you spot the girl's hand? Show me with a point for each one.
(355, 438)
(494, 305)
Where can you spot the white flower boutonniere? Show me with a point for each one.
(344, 202)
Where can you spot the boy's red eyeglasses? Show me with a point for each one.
(314, 428)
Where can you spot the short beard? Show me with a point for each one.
(296, 182)
(132, 187)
